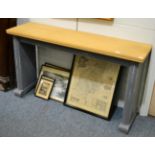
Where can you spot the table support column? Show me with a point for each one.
(24, 56)
(134, 93)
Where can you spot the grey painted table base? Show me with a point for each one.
(25, 61)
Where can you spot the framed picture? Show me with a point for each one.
(107, 19)
(61, 79)
(44, 87)
(57, 67)
(92, 85)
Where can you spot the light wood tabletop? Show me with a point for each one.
(99, 44)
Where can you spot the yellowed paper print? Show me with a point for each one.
(92, 85)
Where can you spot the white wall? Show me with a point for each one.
(69, 23)
(142, 30)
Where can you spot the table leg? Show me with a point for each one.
(145, 66)
(24, 56)
(131, 96)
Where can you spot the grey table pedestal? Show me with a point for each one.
(25, 61)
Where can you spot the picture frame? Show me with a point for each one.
(44, 87)
(106, 19)
(92, 86)
(61, 78)
(57, 67)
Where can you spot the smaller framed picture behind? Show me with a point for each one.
(92, 85)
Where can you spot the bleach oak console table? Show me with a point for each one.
(132, 55)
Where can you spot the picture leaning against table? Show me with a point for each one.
(89, 86)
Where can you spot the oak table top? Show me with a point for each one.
(99, 44)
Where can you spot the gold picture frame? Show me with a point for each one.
(61, 80)
(106, 19)
(92, 85)
(44, 87)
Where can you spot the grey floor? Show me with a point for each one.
(31, 116)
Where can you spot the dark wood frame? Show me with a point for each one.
(57, 67)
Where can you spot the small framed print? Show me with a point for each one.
(61, 80)
(44, 87)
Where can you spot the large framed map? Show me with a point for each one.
(92, 85)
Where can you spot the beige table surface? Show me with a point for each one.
(99, 44)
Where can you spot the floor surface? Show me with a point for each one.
(30, 116)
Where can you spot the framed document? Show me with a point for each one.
(44, 87)
(92, 85)
(61, 79)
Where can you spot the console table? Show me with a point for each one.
(132, 55)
